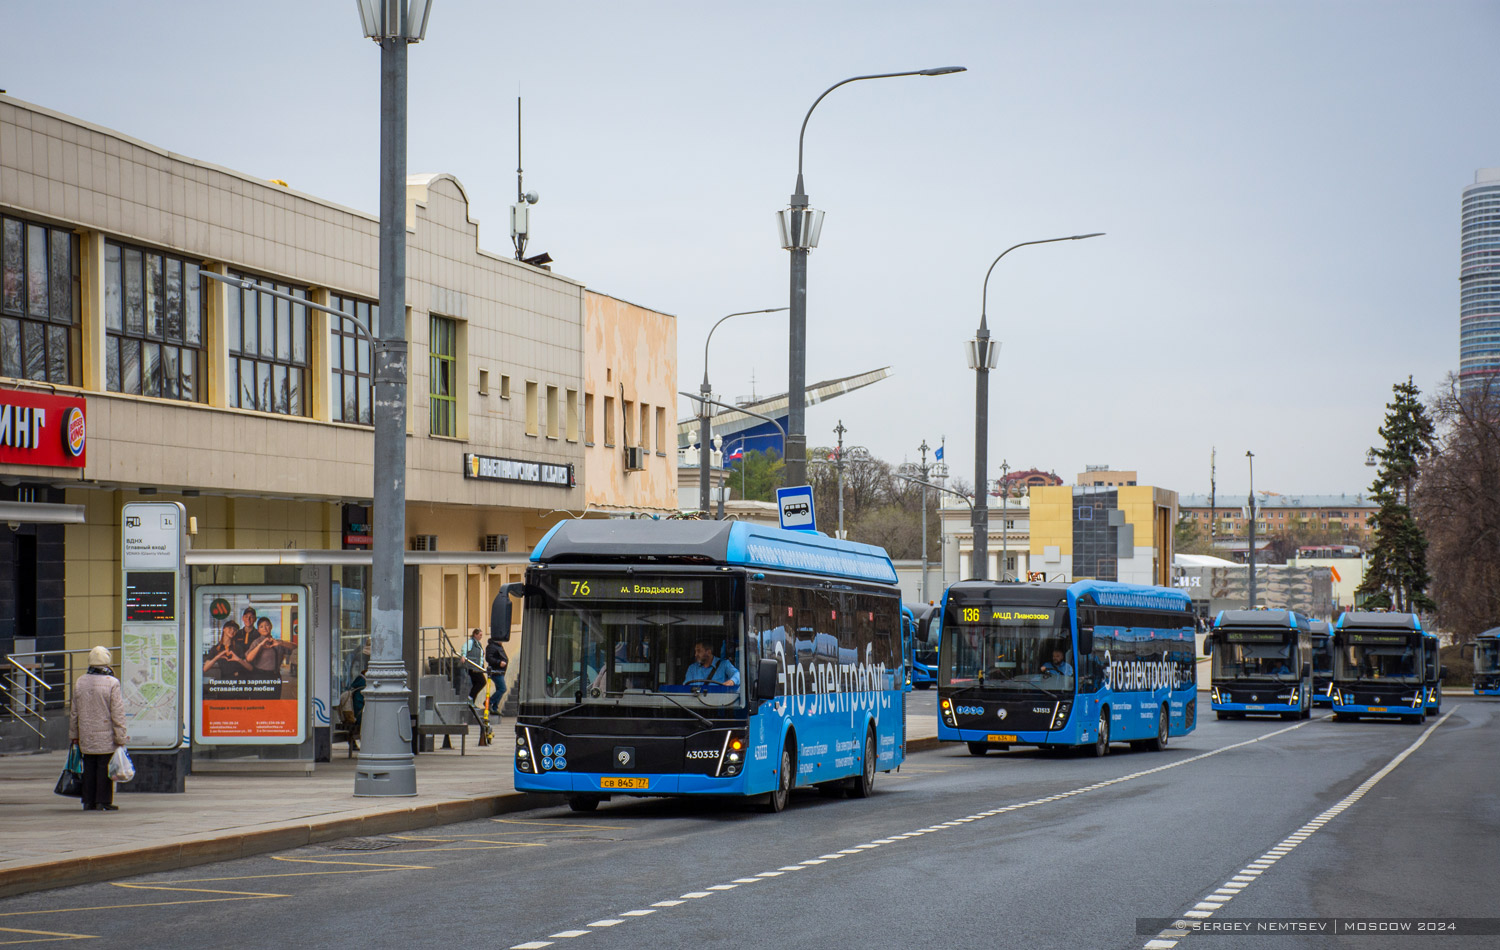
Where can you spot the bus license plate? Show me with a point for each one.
(995, 738)
(1379, 709)
(616, 782)
(1255, 707)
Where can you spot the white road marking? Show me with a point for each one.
(668, 903)
(613, 921)
(533, 945)
(637, 913)
(1248, 874)
(570, 933)
(695, 894)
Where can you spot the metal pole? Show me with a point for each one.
(1251, 457)
(1004, 516)
(838, 464)
(923, 447)
(979, 518)
(387, 766)
(705, 419)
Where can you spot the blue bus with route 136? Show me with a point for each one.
(707, 658)
(1059, 665)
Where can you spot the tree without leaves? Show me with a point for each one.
(1459, 505)
(1397, 575)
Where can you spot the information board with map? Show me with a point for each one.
(153, 538)
(151, 681)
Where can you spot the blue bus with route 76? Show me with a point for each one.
(1065, 665)
(1485, 650)
(1262, 664)
(1385, 665)
(707, 658)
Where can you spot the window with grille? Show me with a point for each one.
(268, 349)
(39, 301)
(153, 320)
(443, 376)
(349, 357)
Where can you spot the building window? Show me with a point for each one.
(504, 387)
(38, 301)
(554, 417)
(153, 319)
(572, 403)
(609, 420)
(533, 426)
(268, 349)
(349, 356)
(588, 418)
(661, 430)
(442, 387)
(643, 432)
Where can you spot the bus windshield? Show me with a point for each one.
(1487, 656)
(1254, 654)
(634, 640)
(1360, 660)
(1322, 649)
(1007, 648)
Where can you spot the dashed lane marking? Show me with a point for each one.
(867, 847)
(1214, 902)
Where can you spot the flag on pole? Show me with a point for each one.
(938, 455)
(737, 454)
(1335, 572)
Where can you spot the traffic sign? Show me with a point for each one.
(796, 508)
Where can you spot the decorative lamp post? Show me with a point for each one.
(387, 766)
(800, 228)
(705, 418)
(1251, 456)
(982, 355)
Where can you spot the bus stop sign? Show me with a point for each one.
(796, 508)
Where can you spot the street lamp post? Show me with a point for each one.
(1004, 516)
(705, 418)
(387, 765)
(923, 447)
(982, 355)
(838, 465)
(1251, 456)
(800, 227)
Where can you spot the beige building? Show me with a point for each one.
(256, 413)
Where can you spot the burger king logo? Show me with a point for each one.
(74, 432)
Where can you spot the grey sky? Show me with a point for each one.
(1279, 182)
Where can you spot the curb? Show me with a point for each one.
(91, 869)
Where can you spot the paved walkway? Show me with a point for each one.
(47, 841)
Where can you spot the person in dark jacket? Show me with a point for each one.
(96, 724)
(496, 660)
(474, 664)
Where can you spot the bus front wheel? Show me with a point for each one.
(584, 802)
(978, 748)
(1100, 748)
(776, 801)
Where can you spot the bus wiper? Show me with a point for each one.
(965, 689)
(692, 712)
(559, 715)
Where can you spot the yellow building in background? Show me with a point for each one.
(1112, 533)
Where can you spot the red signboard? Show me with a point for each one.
(40, 429)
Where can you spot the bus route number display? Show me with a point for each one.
(1376, 639)
(1259, 636)
(150, 596)
(1004, 616)
(629, 588)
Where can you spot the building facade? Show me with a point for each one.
(256, 411)
(1479, 281)
(1345, 516)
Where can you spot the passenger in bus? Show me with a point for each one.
(1058, 665)
(708, 669)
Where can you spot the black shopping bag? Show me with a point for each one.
(70, 782)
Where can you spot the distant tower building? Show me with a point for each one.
(1479, 282)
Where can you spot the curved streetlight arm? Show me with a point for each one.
(984, 302)
(917, 481)
(939, 71)
(716, 326)
(714, 402)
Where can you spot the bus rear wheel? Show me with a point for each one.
(584, 802)
(864, 783)
(1163, 733)
(1100, 748)
(978, 748)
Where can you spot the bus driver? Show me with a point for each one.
(706, 669)
(1058, 665)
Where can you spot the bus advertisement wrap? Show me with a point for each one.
(249, 665)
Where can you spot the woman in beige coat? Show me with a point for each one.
(96, 724)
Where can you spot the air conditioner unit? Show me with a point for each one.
(635, 458)
(424, 542)
(494, 543)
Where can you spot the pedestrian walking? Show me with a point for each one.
(96, 724)
(496, 660)
(474, 663)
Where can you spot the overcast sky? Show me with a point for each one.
(1279, 183)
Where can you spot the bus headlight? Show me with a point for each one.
(948, 714)
(734, 756)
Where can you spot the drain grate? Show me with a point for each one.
(362, 844)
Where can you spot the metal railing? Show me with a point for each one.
(39, 682)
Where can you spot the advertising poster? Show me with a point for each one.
(249, 665)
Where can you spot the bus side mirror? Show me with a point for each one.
(1085, 642)
(500, 613)
(1307, 671)
(1208, 646)
(765, 680)
(1465, 649)
(1442, 672)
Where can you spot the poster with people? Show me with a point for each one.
(249, 670)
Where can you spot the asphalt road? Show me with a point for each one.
(1251, 819)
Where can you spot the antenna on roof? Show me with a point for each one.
(520, 212)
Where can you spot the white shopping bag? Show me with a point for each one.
(120, 768)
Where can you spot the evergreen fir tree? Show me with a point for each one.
(1397, 577)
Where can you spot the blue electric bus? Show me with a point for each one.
(1058, 665)
(707, 658)
(1322, 661)
(1262, 664)
(924, 643)
(1486, 653)
(1384, 665)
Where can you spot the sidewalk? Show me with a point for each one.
(50, 842)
